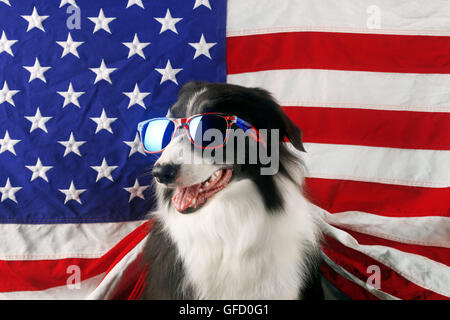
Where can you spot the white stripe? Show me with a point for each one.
(425, 168)
(109, 284)
(344, 273)
(352, 89)
(425, 231)
(420, 17)
(59, 241)
(426, 273)
(56, 293)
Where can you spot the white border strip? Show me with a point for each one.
(420, 17)
(59, 241)
(352, 89)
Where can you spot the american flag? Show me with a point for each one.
(367, 81)
(76, 78)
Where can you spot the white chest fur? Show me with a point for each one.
(232, 249)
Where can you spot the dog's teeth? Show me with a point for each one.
(206, 183)
(194, 202)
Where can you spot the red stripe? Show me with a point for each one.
(391, 282)
(44, 274)
(130, 285)
(347, 287)
(438, 254)
(126, 288)
(139, 285)
(378, 198)
(339, 51)
(377, 128)
(130, 241)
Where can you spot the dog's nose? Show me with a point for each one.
(165, 173)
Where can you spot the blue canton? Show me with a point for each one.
(76, 78)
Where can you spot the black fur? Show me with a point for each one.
(313, 288)
(166, 273)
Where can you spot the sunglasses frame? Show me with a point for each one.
(184, 122)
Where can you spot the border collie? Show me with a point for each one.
(223, 230)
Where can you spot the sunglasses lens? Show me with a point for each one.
(156, 134)
(208, 131)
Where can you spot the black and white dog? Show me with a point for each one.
(241, 234)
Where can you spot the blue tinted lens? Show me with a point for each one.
(208, 131)
(157, 133)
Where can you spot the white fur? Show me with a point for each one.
(193, 99)
(232, 249)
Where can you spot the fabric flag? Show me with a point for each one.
(368, 82)
(76, 78)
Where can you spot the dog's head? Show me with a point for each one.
(188, 176)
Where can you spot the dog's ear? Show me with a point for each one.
(288, 128)
(292, 131)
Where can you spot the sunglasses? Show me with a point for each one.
(157, 133)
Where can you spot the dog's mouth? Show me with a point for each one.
(189, 199)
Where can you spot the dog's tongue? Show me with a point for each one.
(197, 194)
(184, 196)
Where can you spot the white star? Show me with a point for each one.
(71, 2)
(202, 47)
(136, 47)
(6, 94)
(35, 20)
(9, 192)
(136, 190)
(135, 145)
(72, 145)
(36, 71)
(72, 193)
(136, 97)
(168, 23)
(102, 72)
(104, 170)
(39, 171)
(7, 144)
(70, 46)
(103, 122)
(199, 3)
(6, 1)
(71, 96)
(5, 44)
(38, 121)
(101, 22)
(168, 73)
(135, 2)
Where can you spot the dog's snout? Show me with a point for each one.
(165, 173)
